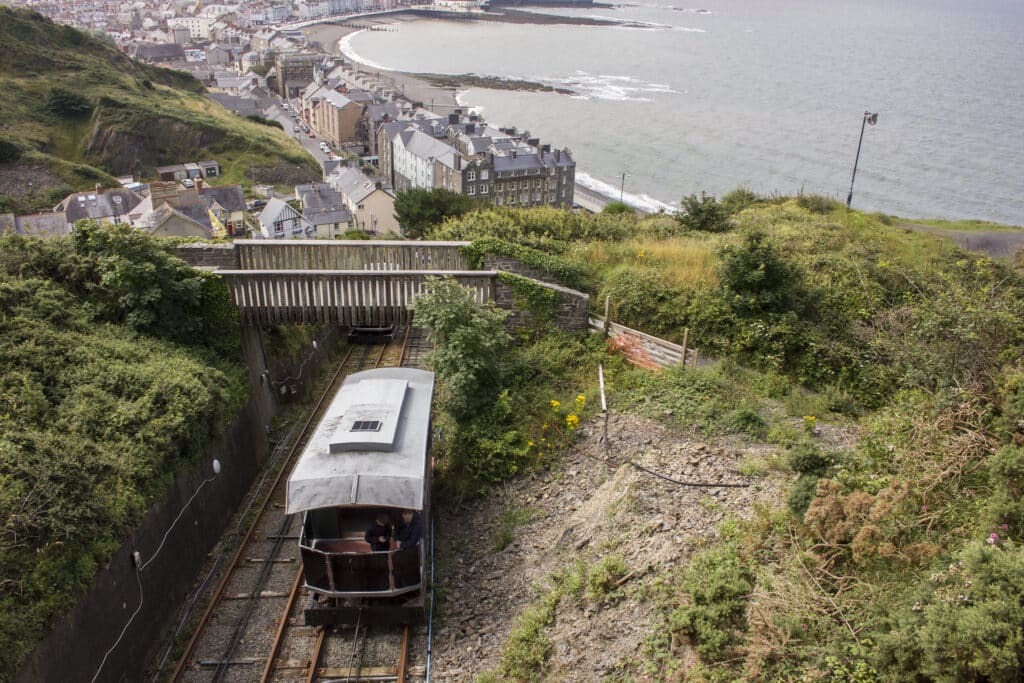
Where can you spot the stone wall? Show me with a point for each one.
(209, 256)
(572, 308)
(511, 265)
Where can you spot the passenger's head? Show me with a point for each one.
(381, 519)
(407, 516)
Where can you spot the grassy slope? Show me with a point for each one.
(907, 339)
(124, 97)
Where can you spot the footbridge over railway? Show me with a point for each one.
(362, 282)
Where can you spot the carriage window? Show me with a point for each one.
(366, 426)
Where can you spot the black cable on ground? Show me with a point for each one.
(646, 470)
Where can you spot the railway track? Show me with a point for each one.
(253, 628)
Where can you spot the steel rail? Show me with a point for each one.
(222, 585)
(268, 668)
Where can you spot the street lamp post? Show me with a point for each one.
(622, 185)
(869, 118)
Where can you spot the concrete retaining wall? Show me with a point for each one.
(75, 647)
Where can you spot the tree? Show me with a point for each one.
(471, 346)
(418, 210)
(702, 213)
(756, 279)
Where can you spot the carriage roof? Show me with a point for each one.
(370, 448)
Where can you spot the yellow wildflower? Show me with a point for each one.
(572, 421)
(555, 405)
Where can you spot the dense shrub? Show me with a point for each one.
(965, 623)
(805, 457)
(740, 199)
(817, 203)
(67, 104)
(98, 414)
(417, 210)
(647, 299)
(717, 583)
(615, 208)
(702, 213)
(802, 493)
(757, 279)
(471, 346)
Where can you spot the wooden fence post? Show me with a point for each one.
(607, 320)
(686, 339)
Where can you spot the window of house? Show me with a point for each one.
(470, 175)
(471, 190)
(484, 189)
(484, 174)
(500, 201)
(524, 184)
(511, 199)
(524, 198)
(536, 183)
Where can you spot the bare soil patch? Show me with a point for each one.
(583, 509)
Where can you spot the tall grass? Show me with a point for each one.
(686, 261)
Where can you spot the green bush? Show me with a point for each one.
(1006, 505)
(966, 623)
(745, 418)
(471, 347)
(805, 457)
(740, 199)
(702, 213)
(757, 279)
(717, 584)
(802, 493)
(417, 210)
(646, 298)
(616, 208)
(817, 203)
(98, 415)
(67, 104)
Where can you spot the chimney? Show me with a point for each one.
(457, 162)
(513, 154)
(378, 185)
(199, 186)
(453, 119)
(470, 128)
(558, 155)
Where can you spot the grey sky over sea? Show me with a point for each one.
(767, 95)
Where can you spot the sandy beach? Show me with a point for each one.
(437, 94)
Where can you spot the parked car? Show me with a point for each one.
(311, 134)
(188, 182)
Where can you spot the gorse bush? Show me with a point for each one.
(716, 583)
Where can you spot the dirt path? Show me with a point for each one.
(994, 243)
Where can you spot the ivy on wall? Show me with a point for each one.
(566, 273)
(532, 296)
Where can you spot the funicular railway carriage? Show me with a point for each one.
(370, 456)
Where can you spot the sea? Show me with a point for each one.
(770, 95)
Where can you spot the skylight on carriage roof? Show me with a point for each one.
(369, 416)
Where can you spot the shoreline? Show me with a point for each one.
(439, 92)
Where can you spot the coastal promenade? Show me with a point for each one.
(441, 99)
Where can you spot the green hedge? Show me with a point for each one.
(118, 369)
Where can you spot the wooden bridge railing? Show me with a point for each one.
(345, 297)
(362, 255)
